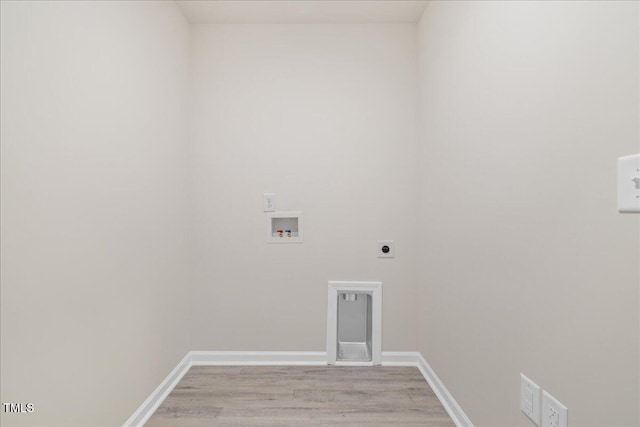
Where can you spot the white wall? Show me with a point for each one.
(511, 259)
(527, 266)
(324, 116)
(94, 217)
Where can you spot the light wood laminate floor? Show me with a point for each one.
(301, 396)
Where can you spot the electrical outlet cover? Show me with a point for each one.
(386, 249)
(269, 202)
(554, 413)
(530, 399)
(629, 184)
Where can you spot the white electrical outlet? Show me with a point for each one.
(554, 413)
(269, 202)
(530, 399)
(386, 249)
(629, 184)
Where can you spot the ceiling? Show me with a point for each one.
(300, 11)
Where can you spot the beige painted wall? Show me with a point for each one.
(527, 266)
(510, 255)
(324, 116)
(94, 176)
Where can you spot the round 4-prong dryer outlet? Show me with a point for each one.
(386, 249)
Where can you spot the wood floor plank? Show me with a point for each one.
(242, 396)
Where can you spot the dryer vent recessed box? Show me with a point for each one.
(284, 227)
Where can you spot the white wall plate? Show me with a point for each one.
(269, 202)
(530, 399)
(554, 413)
(629, 184)
(386, 249)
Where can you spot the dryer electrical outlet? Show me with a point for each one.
(629, 184)
(386, 249)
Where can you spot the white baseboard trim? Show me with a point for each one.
(144, 412)
(400, 358)
(453, 409)
(290, 358)
(249, 358)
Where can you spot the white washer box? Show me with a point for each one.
(284, 227)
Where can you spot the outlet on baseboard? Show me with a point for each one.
(530, 399)
(554, 413)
